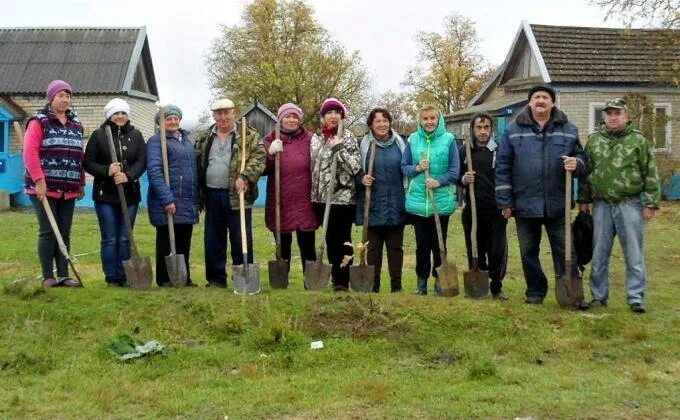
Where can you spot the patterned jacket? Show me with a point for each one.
(349, 164)
(256, 160)
(620, 165)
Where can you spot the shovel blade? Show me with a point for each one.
(361, 278)
(569, 291)
(247, 279)
(476, 284)
(317, 275)
(448, 279)
(177, 270)
(138, 272)
(278, 274)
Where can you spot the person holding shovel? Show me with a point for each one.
(53, 155)
(387, 213)
(297, 211)
(326, 147)
(131, 151)
(623, 192)
(221, 181)
(179, 199)
(431, 148)
(492, 240)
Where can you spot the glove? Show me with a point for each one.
(276, 147)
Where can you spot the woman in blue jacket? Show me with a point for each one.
(431, 148)
(180, 199)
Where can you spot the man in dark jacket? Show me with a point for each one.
(536, 150)
(492, 241)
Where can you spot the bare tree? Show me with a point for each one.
(663, 13)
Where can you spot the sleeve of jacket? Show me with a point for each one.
(407, 167)
(154, 167)
(268, 139)
(504, 159)
(580, 155)
(453, 171)
(585, 194)
(256, 160)
(138, 165)
(651, 194)
(90, 163)
(462, 166)
(349, 156)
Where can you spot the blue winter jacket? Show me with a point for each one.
(183, 189)
(530, 176)
(387, 194)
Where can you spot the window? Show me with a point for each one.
(661, 129)
(596, 116)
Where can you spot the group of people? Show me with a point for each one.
(521, 176)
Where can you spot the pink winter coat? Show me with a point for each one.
(297, 211)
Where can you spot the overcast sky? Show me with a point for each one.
(383, 31)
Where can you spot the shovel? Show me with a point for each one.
(448, 275)
(137, 269)
(568, 290)
(175, 264)
(278, 269)
(475, 282)
(48, 211)
(361, 277)
(317, 274)
(246, 276)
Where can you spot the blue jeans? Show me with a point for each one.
(625, 220)
(115, 243)
(48, 248)
(529, 235)
(221, 220)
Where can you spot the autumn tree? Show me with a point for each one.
(278, 54)
(663, 13)
(403, 108)
(451, 69)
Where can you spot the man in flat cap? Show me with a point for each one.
(221, 180)
(623, 192)
(536, 150)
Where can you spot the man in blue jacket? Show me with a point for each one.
(536, 150)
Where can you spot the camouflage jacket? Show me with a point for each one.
(349, 164)
(620, 165)
(256, 160)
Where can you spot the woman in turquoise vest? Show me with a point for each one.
(431, 148)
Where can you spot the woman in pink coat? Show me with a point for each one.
(297, 212)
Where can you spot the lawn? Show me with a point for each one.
(385, 355)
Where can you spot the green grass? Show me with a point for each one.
(385, 356)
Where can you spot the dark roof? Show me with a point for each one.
(92, 60)
(602, 55)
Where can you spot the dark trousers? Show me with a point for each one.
(529, 235)
(492, 243)
(305, 241)
(392, 237)
(339, 231)
(48, 247)
(182, 244)
(427, 245)
(221, 220)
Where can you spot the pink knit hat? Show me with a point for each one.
(333, 103)
(55, 87)
(289, 108)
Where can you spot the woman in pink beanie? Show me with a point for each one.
(53, 156)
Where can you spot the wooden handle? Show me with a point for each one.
(367, 202)
(473, 205)
(242, 196)
(121, 194)
(277, 192)
(437, 223)
(166, 176)
(567, 223)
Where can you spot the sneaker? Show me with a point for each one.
(69, 282)
(419, 292)
(50, 282)
(500, 296)
(534, 300)
(216, 284)
(583, 306)
(595, 303)
(638, 308)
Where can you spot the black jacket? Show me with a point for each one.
(483, 163)
(132, 157)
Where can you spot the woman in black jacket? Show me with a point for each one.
(131, 153)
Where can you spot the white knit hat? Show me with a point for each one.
(116, 105)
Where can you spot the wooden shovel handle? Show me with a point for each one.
(166, 176)
(437, 222)
(567, 223)
(473, 206)
(241, 195)
(367, 202)
(277, 194)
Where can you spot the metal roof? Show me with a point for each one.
(92, 60)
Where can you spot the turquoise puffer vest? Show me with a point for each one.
(436, 147)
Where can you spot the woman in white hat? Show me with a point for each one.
(131, 153)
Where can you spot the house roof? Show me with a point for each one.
(604, 55)
(92, 60)
(263, 109)
(492, 107)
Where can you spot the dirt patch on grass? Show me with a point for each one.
(350, 317)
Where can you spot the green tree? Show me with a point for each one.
(278, 54)
(451, 70)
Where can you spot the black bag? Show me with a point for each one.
(582, 233)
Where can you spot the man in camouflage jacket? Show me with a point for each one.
(623, 192)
